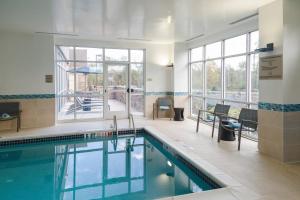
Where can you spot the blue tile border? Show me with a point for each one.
(27, 96)
(279, 107)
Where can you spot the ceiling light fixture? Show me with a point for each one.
(134, 39)
(55, 33)
(244, 18)
(169, 19)
(193, 38)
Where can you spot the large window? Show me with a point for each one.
(92, 82)
(225, 72)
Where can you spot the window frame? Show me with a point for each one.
(205, 97)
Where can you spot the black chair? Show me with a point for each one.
(13, 110)
(220, 109)
(247, 121)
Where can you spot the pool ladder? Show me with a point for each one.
(116, 125)
(131, 122)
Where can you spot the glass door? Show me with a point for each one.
(116, 91)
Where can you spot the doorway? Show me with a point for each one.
(97, 83)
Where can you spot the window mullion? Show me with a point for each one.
(248, 70)
(223, 70)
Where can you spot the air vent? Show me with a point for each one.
(54, 33)
(193, 38)
(244, 18)
(134, 39)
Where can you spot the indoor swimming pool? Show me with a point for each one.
(99, 167)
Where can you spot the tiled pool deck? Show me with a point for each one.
(247, 174)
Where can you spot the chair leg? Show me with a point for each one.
(219, 131)
(213, 128)
(239, 138)
(198, 121)
(18, 123)
(153, 111)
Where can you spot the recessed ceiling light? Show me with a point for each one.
(55, 33)
(169, 19)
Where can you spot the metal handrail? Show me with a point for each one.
(116, 125)
(131, 121)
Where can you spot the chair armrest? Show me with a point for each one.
(249, 121)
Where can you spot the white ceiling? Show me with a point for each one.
(136, 19)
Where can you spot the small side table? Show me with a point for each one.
(226, 135)
(178, 114)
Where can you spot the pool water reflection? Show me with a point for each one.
(111, 168)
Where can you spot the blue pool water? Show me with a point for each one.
(100, 168)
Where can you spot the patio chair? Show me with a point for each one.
(247, 121)
(80, 105)
(12, 110)
(163, 104)
(220, 109)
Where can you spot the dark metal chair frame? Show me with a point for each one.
(220, 110)
(248, 121)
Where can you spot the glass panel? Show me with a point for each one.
(210, 106)
(89, 168)
(88, 54)
(137, 86)
(137, 185)
(117, 87)
(255, 106)
(254, 41)
(136, 55)
(235, 78)
(197, 54)
(213, 50)
(235, 45)
(214, 78)
(116, 189)
(235, 108)
(89, 146)
(65, 90)
(89, 90)
(89, 193)
(137, 77)
(69, 172)
(197, 78)
(197, 103)
(116, 170)
(116, 54)
(254, 77)
(137, 162)
(64, 53)
(137, 104)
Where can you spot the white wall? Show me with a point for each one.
(271, 30)
(291, 51)
(180, 69)
(25, 59)
(158, 76)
